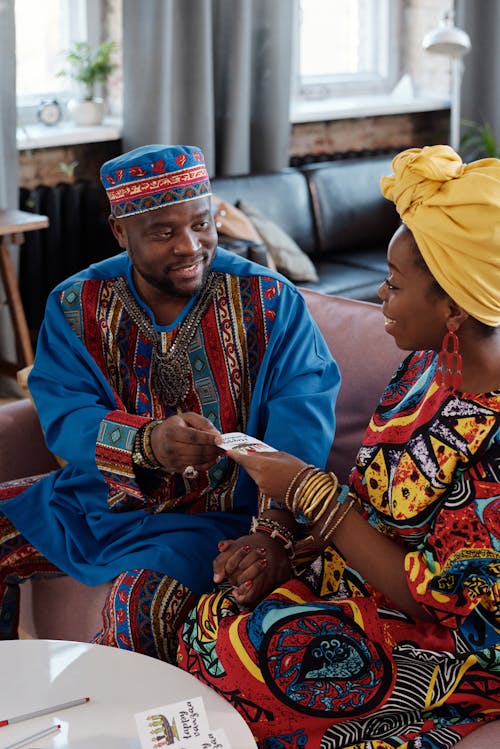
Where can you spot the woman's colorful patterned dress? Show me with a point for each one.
(325, 661)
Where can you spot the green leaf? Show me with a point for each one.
(479, 141)
(89, 66)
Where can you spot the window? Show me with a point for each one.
(346, 47)
(43, 31)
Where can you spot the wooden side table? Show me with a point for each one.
(13, 224)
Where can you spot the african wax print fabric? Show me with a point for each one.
(19, 561)
(254, 354)
(143, 612)
(325, 661)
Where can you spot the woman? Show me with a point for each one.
(391, 636)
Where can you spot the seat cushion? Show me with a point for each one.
(22, 447)
(373, 259)
(345, 280)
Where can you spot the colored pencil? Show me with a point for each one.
(33, 737)
(43, 711)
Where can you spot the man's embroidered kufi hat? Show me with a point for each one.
(154, 176)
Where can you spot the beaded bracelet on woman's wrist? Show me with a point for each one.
(279, 532)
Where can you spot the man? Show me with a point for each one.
(142, 361)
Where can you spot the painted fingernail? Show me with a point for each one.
(221, 545)
(261, 550)
(247, 583)
(262, 562)
(245, 549)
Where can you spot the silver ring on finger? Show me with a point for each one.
(190, 472)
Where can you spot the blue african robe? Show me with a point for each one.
(256, 364)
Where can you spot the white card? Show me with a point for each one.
(244, 443)
(170, 724)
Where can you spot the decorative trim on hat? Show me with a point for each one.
(155, 192)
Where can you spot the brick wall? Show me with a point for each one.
(42, 166)
(369, 133)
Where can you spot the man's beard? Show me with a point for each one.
(167, 287)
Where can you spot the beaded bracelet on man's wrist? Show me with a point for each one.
(142, 453)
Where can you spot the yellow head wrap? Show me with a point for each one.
(453, 211)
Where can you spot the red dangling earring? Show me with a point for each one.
(449, 365)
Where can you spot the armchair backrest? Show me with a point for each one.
(367, 357)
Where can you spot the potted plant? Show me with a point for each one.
(479, 141)
(88, 66)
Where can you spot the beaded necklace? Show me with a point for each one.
(170, 370)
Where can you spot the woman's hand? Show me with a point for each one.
(255, 565)
(271, 471)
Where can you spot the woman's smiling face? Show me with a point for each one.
(414, 310)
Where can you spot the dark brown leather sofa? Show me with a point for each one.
(334, 211)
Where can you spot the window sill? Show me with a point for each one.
(362, 106)
(66, 133)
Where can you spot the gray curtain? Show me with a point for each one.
(481, 78)
(211, 73)
(8, 164)
(8, 149)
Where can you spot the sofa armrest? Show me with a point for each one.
(22, 446)
(367, 356)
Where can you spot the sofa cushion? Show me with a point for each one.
(285, 252)
(22, 447)
(22, 381)
(374, 259)
(281, 196)
(346, 280)
(351, 213)
(230, 221)
(61, 608)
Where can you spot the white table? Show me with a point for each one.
(38, 673)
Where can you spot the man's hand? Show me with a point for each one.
(186, 439)
(255, 565)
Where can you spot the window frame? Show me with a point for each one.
(379, 81)
(83, 23)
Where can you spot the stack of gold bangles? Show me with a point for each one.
(312, 495)
(309, 497)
